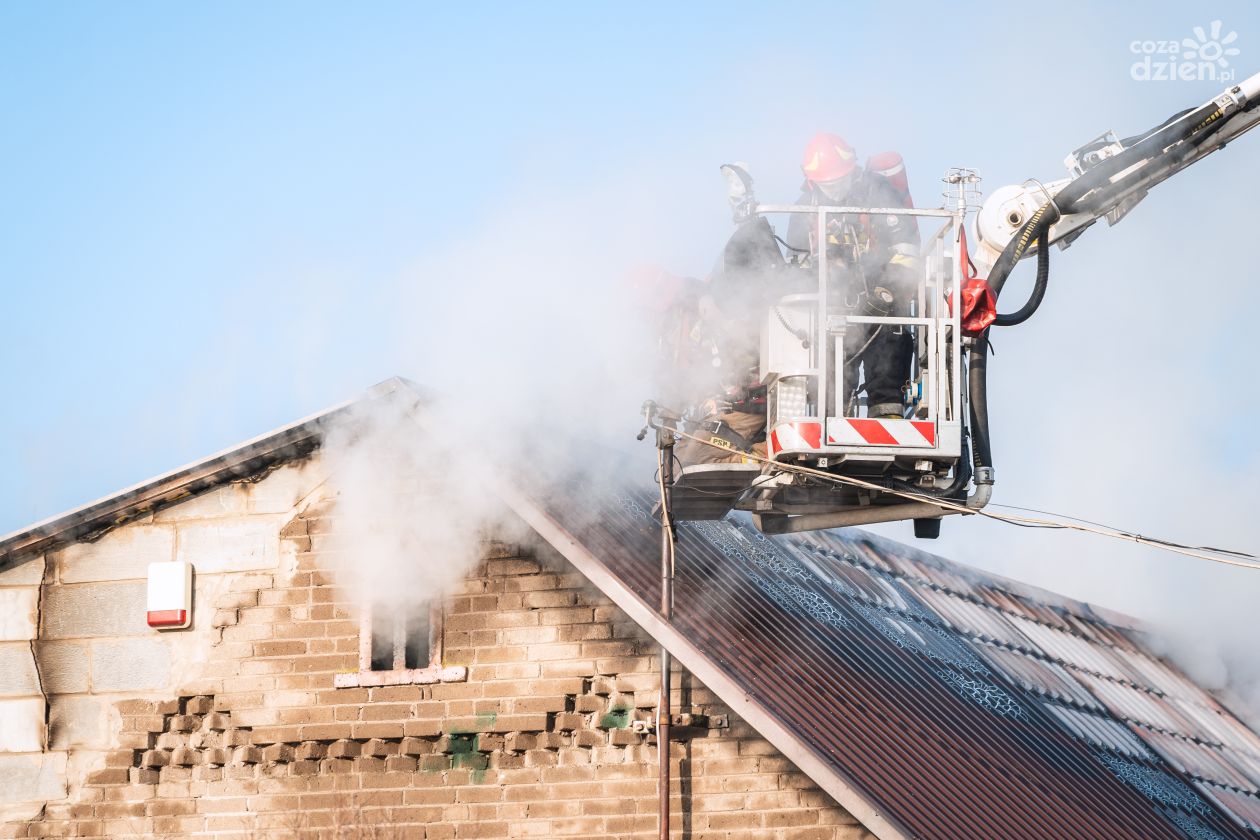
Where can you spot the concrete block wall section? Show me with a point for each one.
(122, 554)
(26, 773)
(27, 573)
(18, 611)
(18, 677)
(29, 779)
(64, 666)
(22, 725)
(80, 722)
(86, 610)
(95, 648)
(138, 664)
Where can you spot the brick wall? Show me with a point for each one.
(544, 737)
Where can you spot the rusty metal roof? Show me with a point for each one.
(942, 701)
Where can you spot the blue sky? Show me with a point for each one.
(219, 218)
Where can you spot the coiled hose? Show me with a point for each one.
(1026, 311)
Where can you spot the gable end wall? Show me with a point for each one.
(234, 729)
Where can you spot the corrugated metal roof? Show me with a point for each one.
(1242, 807)
(952, 705)
(1133, 704)
(1100, 731)
(1197, 759)
(978, 621)
(1154, 674)
(1041, 677)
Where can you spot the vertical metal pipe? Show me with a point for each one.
(665, 445)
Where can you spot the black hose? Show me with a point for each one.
(1153, 145)
(1175, 155)
(954, 490)
(1129, 141)
(1072, 198)
(783, 242)
(1026, 311)
(977, 371)
(1047, 214)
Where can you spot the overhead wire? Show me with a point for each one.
(1084, 526)
(1101, 525)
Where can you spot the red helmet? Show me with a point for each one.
(828, 157)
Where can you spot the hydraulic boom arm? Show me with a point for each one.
(1108, 176)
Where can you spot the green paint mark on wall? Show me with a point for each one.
(470, 761)
(463, 745)
(618, 718)
(482, 722)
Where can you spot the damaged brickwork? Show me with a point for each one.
(548, 735)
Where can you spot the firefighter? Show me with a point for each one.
(681, 348)
(876, 261)
(748, 275)
(699, 355)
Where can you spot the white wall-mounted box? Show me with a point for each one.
(170, 595)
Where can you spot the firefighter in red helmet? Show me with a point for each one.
(875, 257)
(748, 275)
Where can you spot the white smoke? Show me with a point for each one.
(1113, 403)
(530, 346)
(410, 519)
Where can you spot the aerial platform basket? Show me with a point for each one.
(814, 418)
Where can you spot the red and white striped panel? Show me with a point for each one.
(845, 431)
(799, 435)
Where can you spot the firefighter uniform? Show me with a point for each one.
(876, 257)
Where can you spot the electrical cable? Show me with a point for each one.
(1052, 513)
(1100, 525)
(801, 335)
(1200, 552)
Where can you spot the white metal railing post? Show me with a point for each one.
(824, 318)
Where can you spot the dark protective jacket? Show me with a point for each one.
(882, 250)
(884, 241)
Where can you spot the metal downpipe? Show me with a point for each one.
(665, 445)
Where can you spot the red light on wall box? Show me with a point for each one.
(168, 618)
(170, 595)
